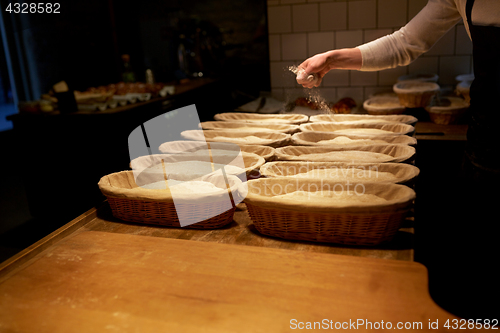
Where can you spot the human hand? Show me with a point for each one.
(322, 63)
(310, 73)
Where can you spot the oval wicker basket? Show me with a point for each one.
(448, 110)
(176, 147)
(252, 162)
(405, 119)
(357, 224)
(271, 139)
(344, 127)
(257, 127)
(383, 106)
(415, 94)
(395, 153)
(404, 174)
(314, 138)
(265, 118)
(132, 203)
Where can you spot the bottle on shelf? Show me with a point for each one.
(128, 75)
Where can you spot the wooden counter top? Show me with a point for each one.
(431, 131)
(94, 281)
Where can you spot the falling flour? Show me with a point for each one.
(312, 96)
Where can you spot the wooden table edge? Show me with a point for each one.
(17, 261)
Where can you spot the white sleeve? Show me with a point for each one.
(415, 38)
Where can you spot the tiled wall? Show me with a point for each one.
(301, 28)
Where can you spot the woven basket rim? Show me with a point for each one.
(402, 118)
(234, 125)
(165, 147)
(275, 138)
(258, 161)
(408, 151)
(396, 128)
(457, 109)
(133, 192)
(300, 139)
(410, 171)
(369, 106)
(252, 117)
(398, 197)
(426, 87)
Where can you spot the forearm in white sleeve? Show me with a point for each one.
(415, 38)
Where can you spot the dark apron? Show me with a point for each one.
(483, 143)
(457, 219)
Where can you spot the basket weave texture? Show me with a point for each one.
(273, 139)
(451, 114)
(405, 119)
(176, 147)
(395, 128)
(345, 224)
(131, 203)
(267, 118)
(398, 153)
(405, 174)
(415, 94)
(383, 106)
(236, 126)
(312, 139)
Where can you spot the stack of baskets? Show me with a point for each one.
(421, 91)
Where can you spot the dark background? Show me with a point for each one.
(84, 43)
(51, 165)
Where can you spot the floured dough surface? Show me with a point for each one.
(362, 131)
(332, 197)
(377, 121)
(251, 139)
(194, 187)
(344, 140)
(269, 120)
(193, 168)
(348, 156)
(250, 129)
(351, 174)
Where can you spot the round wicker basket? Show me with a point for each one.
(131, 203)
(309, 220)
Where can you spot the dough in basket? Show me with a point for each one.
(350, 174)
(193, 168)
(195, 187)
(342, 197)
(344, 140)
(244, 140)
(362, 131)
(347, 156)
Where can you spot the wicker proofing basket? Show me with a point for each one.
(383, 106)
(395, 153)
(252, 162)
(415, 94)
(131, 203)
(176, 147)
(241, 126)
(405, 174)
(314, 138)
(405, 119)
(272, 139)
(345, 127)
(265, 118)
(355, 224)
(447, 113)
